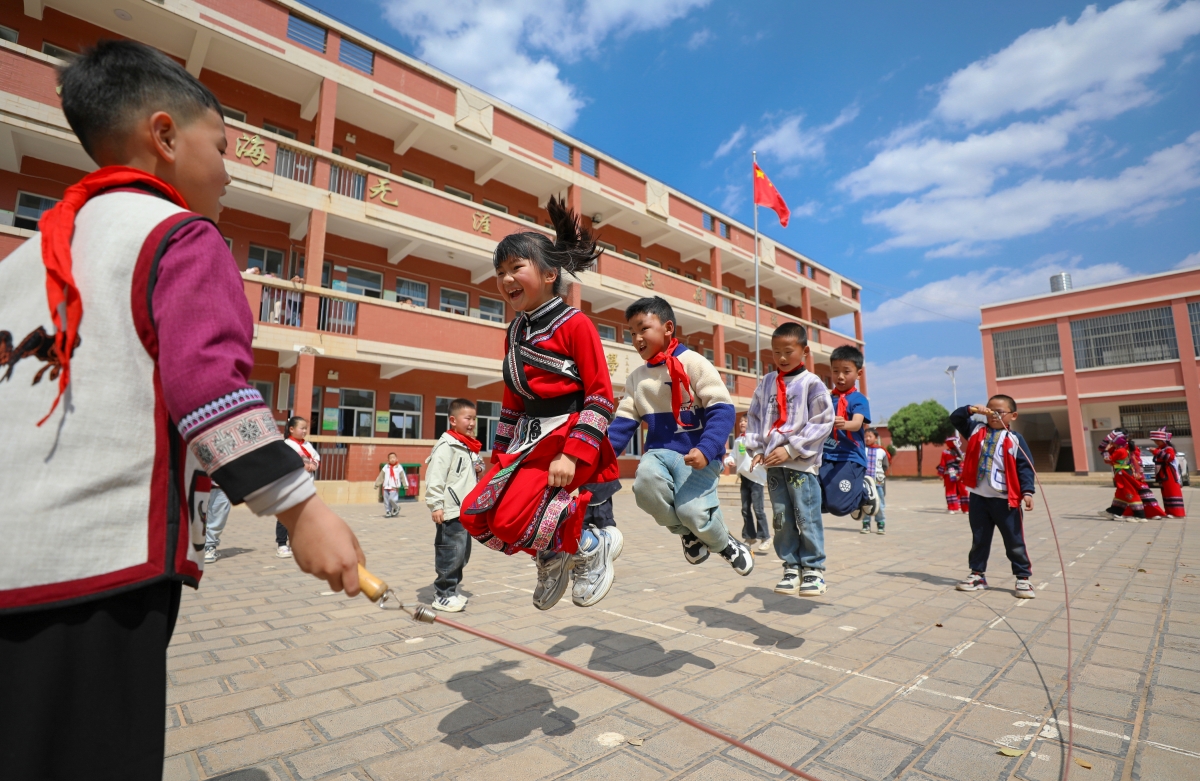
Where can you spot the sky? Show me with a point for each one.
(942, 155)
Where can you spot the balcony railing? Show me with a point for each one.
(347, 182)
(281, 307)
(336, 316)
(294, 164)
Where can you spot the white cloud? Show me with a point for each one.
(790, 142)
(1189, 261)
(1087, 70)
(732, 199)
(730, 143)
(699, 38)
(914, 378)
(508, 47)
(806, 209)
(959, 297)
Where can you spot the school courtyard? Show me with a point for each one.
(892, 674)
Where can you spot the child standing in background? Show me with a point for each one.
(297, 432)
(392, 480)
(454, 467)
(752, 483)
(950, 468)
(845, 487)
(1166, 471)
(878, 464)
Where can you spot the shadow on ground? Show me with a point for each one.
(615, 652)
(776, 603)
(229, 553)
(253, 774)
(719, 618)
(501, 709)
(937, 580)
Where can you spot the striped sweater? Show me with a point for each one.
(809, 420)
(708, 415)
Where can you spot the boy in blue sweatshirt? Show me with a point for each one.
(846, 489)
(689, 416)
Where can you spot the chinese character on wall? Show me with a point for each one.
(698, 296)
(648, 282)
(612, 362)
(382, 190)
(481, 223)
(251, 147)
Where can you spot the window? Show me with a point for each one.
(1130, 337)
(742, 363)
(410, 176)
(607, 246)
(1194, 319)
(491, 309)
(673, 270)
(493, 205)
(488, 419)
(626, 336)
(356, 57)
(631, 254)
(722, 229)
(1139, 420)
(441, 416)
(58, 51)
(233, 113)
(710, 299)
(563, 153)
(266, 390)
(267, 126)
(8, 34)
(527, 217)
(726, 305)
(30, 209)
(589, 165)
(297, 269)
(405, 423)
(709, 355)
(454, 302)
(654, 263)
(356, 413)
(266, 260)
(728, 361)
(708, 222)
(809, 272)
(364, 283)
(416, 292)
(607, 332)
(307, 33)
(373, 163)
(689, 275)
(1027, 351)
(466, 196)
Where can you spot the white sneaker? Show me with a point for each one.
(594, 569)
(211, 555)
(283, 552)
(812, 583)
(764, 546)
(451, 604)
(1024, 589)
(790, 584)
(553, 577)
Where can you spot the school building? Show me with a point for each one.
(1083, 361)
(369, 191)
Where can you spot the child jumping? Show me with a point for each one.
(689, 415)
(878, 464)
(1166, 471)
(391, 480)
(950, 468)
(148, 401)
(552, 435)
(845, 487)
(791, 416)
(452, 471)
(999, 476)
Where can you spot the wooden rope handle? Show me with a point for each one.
(371, 586)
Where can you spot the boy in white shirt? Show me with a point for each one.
(454, 467)
(751, 481)
(392, 480)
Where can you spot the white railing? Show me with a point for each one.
(336, 316)
(281, 307)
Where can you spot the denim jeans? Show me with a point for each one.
(799, 533)
(451, 552)
(881, 489)
(681, 498)
(752, 507)
(218, 514)
(391, 500)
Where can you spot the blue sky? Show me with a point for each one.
(941, 158)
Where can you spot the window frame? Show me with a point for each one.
(493, 205)
(371, 162)
(503, 310)
(563, 153)
(1117, 339)
(420, 179)
(591, 162)
(305, 33)
(17, 206)
(415, 415)
(488, 422)
(262, 269)
(457, 193)
(279, 131)
(424, 299)
(5, 34)
(355, 55)
(229, 112)
(612, 337)
(343, 407)
(1017, 352)
(442, 291)
(374, 294)
(58, 52)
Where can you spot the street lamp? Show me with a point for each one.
(953, 382)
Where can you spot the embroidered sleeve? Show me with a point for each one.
(589, 431)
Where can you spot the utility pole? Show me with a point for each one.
(951, 370)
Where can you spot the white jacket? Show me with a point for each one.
(450, 476)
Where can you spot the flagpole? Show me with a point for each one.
(757, 345)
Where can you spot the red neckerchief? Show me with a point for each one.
(679, 378)
(58, 228)
(392, 471)
(781, 397)
(471, 443)
(842, 406)
(303, 447)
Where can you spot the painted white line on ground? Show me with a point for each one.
(997, 621)
(920, 680)
(958, 649)
(1057, 574)
(1043, 584)
(1071, 564)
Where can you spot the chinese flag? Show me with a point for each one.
(765, 194)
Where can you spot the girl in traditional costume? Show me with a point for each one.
(552, 435)
(1166, 471)
(950, 468)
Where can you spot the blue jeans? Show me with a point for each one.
(681, 498)
(881, 490)
(796, 502)
(218, 514)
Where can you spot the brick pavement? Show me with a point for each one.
(892, 674)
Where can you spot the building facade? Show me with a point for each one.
(369, 191)
(1082, 362)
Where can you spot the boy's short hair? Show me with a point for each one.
(792, 331)
(871, 431)
(654, 305)
(458, 405)
(847, 352)
(107, 87)
(393, 453)
(1009, 400)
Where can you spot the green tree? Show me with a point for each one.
(917, 424)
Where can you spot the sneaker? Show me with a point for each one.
(865, 530)
(283, 552)
(553, 576)
(973, 582)
(594, 569)
(870, 505)
(764, 546)
(1111, 513)
(694, 551)
(812, 584)
(857, 513)
(1024, 589)
(211, 555)
(880, 531)
(451, 604)
(790, 584)
(739, 557)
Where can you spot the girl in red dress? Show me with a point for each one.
(1127, 498)
(950, 468)
(552, 436)
(1166, 471)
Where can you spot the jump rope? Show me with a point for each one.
(378, 592)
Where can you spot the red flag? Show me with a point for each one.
(765, 194)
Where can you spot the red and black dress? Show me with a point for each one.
(1166, 471)
(558, 399)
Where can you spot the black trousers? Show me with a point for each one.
(752, 507)
(83, 689)
(600, 515)
(987, 514)
(281, 535)
(451, 552)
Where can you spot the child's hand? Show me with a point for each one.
(838, 422)
(1028, 502)
(310, 465)
(439, 516)
(695, 459)
(776, 457)
(754, 462)
(323, 544)
(562, 471)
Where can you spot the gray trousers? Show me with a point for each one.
(681, 498)
(218, 514)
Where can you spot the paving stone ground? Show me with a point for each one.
(892, 674)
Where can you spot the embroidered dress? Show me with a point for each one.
(557, 399)
(1128, 496)
(1166, 471)
(1149, 500)
(950, 468)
